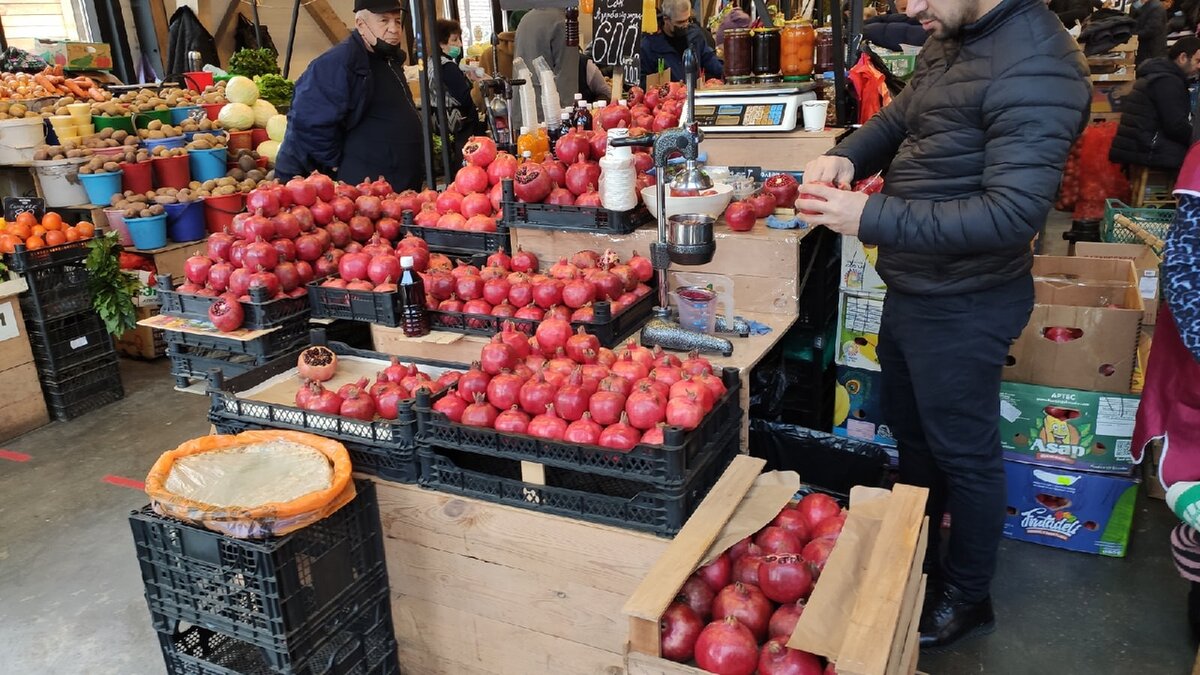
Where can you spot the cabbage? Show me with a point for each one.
(277, 127)
(241, 90)
(269, 149)
(236, 116)
(263, 111)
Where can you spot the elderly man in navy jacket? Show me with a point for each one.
(676, 33)
(353, 116)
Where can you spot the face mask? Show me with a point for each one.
(386, 49)
(454, 52)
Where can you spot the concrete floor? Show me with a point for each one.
(71, 595)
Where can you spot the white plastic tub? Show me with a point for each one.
(59, 179)
(19, 138)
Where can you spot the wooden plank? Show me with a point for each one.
(158, 13)
(440, 345)
(567, 606)
(43, 9)
(644, 664)
(327, 20)
(910, 610)
(908, 662)
(887, 571)
(223, 36)
(664, 579)
(609, 558)
(477, 644)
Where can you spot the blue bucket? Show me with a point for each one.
(207, 164)
(101, 187)
(178, 115)
(168, 143)
(189, 136)
(185, 222)
(148, 233)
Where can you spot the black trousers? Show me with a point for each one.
(942, 358)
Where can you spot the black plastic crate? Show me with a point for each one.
(83, 388)
(820, 272)
(827, 461)
(584, 218)
(460, 242)
(328, 302)
(661, 465)
(359, 640)
(64, 342)
(277, 341)
(22, 259)
(195, 363)
(56, 291)
(622, 502)
(260, 312)
(610, 330)
(267, 592)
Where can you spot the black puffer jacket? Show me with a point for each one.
(979, 137)
(1155, 129)
(1151, 31)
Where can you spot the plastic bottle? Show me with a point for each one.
(542, 143)
(618, 176)
(526, 142)
(582, 119)
(413, 320)
(564, 124)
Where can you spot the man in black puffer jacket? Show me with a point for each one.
(977, 144)
(1156, 125)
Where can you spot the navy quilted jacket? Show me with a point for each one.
(979, 138)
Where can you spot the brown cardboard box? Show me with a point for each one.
(1144, 261)
(1076, 303)
(14, 341)
(25, 409)
(143, 342)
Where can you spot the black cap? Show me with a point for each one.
(378, 6)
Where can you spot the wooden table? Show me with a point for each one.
(778, 151)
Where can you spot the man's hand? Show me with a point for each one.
(840, 211)
(829, 169)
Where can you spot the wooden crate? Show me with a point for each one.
(888, 603)
(484, 589)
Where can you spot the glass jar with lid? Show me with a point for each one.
(796, 52)
(738, 55)
(767, 49)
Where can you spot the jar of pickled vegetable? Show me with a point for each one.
(766, 53)
(738, 59)
(796, 52)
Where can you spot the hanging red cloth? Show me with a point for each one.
(871, 87)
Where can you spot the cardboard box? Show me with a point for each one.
(1078, 430)
(858, 267)
(858, 409)
(859, 315)
(1144, 261)
(14, 341)
(24, 409)
(142, 342)
(1083, 333)
(1074, 510)
(75, 55)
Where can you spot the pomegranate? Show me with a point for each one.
(496, 356)
(582, 176)
(536, 393)
(620, 436)
(572, 398)
(357, 404)
(714, 384)
(496, 291)
(747, 604)
(524, 261)
(740, 216)
(645, 407)
(746, 567)
(552, 334)
(322, 213)
(696, 594)
(512, 421)
(264, 200)
(196, 269)
(548, 425)
(739, 549)
(354, 266)
(469, 286)
(449, 202)
(479, 151)
(317, 363)
(451, 406)
(226, 314)
(727, 647)
(680, 627)
(472, 179)
(218, 276)
(451, 221)
(785, 578)
(816, 507)
(266, 281)
(577, 293)
(763, 204)
(615, 115)
(607, 407)
(598, 142)
(323, 185)
(530, 312)
(654, 436)
(783, 621)
(473, 382)
(288, 275)
(791, 521)
(301, 191)
(428, 216)
(717, 574)
(583, 431)
(590, 198)
(689, 387)
(695, 364)
(561, 197)
(685, 412)
(383, 269)
(578, 343)
(830, 528)
(324, 401)
(531, 183)
(479, 414)
(557, 172)
(816, 552)
(777, 659)
(776, 540)
(515, 339)
(504, 166)
(479, 223)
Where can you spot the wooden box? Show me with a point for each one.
(881, 636)
(25, 409)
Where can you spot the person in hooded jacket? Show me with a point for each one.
(1156, 125)
(976, 145)
(353, 116)
(1150, 17)
(676, 33)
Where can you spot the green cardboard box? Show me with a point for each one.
(1068, 428)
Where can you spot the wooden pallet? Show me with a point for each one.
(888, 600)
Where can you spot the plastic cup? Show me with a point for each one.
(814, 114)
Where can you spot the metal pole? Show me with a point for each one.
(287, 60)
(419, 44)
(434, 65)
(839, 64)
(257, 31)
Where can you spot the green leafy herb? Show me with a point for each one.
(251, 62)
(112, 288)
(275, 88)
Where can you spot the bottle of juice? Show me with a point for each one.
(526, 142)
(582, 117)
(413, 320)
(542, 144)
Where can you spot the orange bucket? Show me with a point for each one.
(219, 211)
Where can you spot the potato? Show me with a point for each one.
(74, 153)
(257, 175)
(85, 169)
(41, 154)
(112, 167)
(165, 199)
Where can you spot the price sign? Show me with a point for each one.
(13, 206)
(617, 26)
(198, 115)
(8, 322)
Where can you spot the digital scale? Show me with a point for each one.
(752, 107)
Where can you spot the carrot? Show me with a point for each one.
(85, 82)
(96, 94)
(45, 83)
(75, 89)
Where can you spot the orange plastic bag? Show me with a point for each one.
(270, 519)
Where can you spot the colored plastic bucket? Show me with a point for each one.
(198, 80)
(168, 143)
(171, 172)
(189, 136)
(116, 220)
(118, 151)
(143, 120)
(138, 177)
(60, 182)
(240, 140)
(258, 136)
(185, 222)
(122, 123)
(207, 164)
(219, 211)
(213, 109)
(101, 187)
(148, 233)
(19, 139)
(178, 115)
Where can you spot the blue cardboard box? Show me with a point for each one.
(1074, 510)
(858, 409)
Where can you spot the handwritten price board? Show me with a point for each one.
(617, 26)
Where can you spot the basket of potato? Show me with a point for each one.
(207, 156)
(156, 134)
(101, 178)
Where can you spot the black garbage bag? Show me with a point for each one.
(824, 460)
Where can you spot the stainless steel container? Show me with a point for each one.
(690, 238)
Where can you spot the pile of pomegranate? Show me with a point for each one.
(564, 386)
(779, 191)
(361, 400)
(735, 615)
(511, 286)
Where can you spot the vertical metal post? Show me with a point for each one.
(287, 59)
(418, 34)
(839, 64)
(433, 65)
(257, 30)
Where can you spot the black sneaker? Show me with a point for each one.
(948, 618)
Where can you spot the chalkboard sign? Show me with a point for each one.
(13, 206)
(617, 27)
